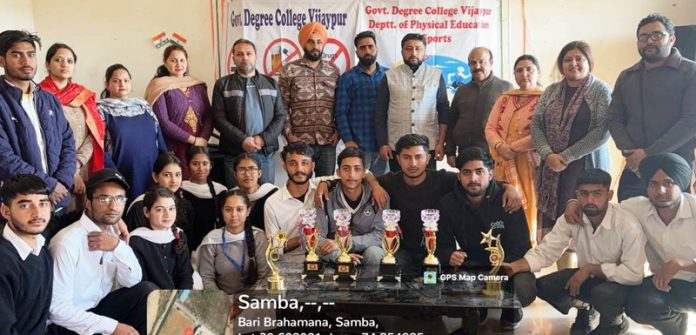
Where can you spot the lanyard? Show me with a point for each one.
(238, 266)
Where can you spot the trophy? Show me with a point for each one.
(496, 258)
(345, 269)
(388, 267)
(312, 264)
(431, 265)
(276, 282)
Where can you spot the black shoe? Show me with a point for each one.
(510, 318)
(482, 316)
(613, 329)
(583, 322)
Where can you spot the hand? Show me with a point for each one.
(663, 276)
(59, 192)
(122, 231)
(439, 151)
(326, 246)
(380, 197)
(334, 138)
(249, 145)
(351, 144)
(200, 142)
(124, 329)
(573, 212)
(520, 265)
(508, 269)
(292, 138)
(457, 258)
(556, 163)
(574, 283)
(386, 152)
(356, 258)
(101, 241)
(506, 151)
(321, 194)
(633, 160)
(511, 199)
(78, 184)
(258, 140)
(452, 161)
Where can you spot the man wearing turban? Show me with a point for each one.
(308, 87)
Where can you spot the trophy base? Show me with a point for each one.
(313, 270)
(276, 285)
(389, 273)
(345, 272)
(492, 289)
(431, 272)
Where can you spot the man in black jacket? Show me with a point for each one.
(474, 207)
(249, 114)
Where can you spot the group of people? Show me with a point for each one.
(116, 192)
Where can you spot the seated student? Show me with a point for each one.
(355, 194)
(166, 173)
(611, 254)
(234, 256)
(161, 246)
(474, 207)
(248, 172)
(26, 274)
(203, 194)
(89, 260)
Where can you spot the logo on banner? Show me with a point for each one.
(283, 50)
(455, 71)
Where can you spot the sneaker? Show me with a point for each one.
(583, 322)
(482, 316)
(614, 329)
(510, 318)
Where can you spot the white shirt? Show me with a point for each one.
(282, 212)
(82, 278)
(617, 245)
(677, 240)
(23, 248)
(29, 108)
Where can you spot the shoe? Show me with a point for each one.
(482, 316)
(510, 318)
(615, 329)
(583, 322)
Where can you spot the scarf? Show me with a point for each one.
(127, 107)
(155, 236)
(75, 95)
(261, 192)
(558, 123)
(160, 85)
(215, 237)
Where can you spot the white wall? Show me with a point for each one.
(16, 14)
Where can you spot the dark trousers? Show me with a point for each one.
(395, 167)
(608, 298)
(324, 159)
(125, 305)
(630, 185)
(666, 311)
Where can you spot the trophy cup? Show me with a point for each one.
(496, 258)
(388, 268)
(312, 264)
(431, 265)
(345, 269)
(276, 282)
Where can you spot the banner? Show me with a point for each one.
(452, 28)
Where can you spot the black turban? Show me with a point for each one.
(671, 164)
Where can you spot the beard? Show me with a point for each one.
(312, 55)
(297, 178)
(367, 60)
(660, 53)
(245, 68)
(413, 62)
(592, 211)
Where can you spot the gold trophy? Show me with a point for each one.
(496, 258)
(431, 265)
(345, 269)
(276, 282)
(312, 264)
(388, 267)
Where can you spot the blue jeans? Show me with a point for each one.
(375, 163)
(324, 159)
(266, 164)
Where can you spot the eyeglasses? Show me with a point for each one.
(667, 184)
(655, 36)
(108, 199)
(250, 170)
